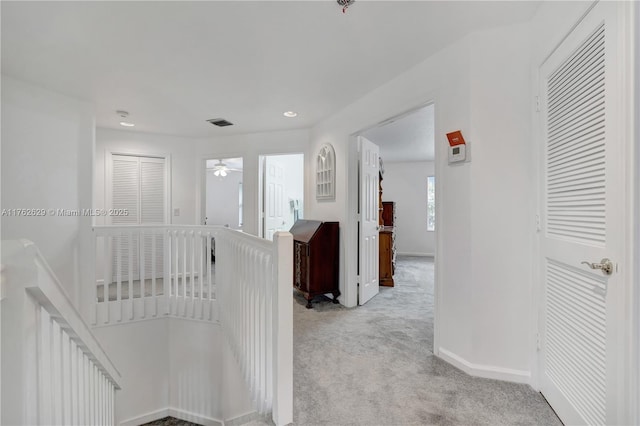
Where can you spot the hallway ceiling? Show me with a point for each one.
(406, 138)
(173, 65)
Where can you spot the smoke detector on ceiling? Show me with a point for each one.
(123, 118)
(345, 4)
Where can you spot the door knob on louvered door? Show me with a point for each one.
(605, 265)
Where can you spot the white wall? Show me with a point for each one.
(502, 206)
(140, 352)
(183, 164)
(222, 199)
(47, 162)
(195, 368)
(480, 85)
(249, 147)
(406, 184)
(174, 364)
(444, 79)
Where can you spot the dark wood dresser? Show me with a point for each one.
(316, 258)
(387, 241)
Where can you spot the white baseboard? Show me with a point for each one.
(242, 419)
(146, 418)
(194, 418)
(485, 371)
(189, 417)
(408, 253)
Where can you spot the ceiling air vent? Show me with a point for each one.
(220, 122)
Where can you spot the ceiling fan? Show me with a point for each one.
(221, 169)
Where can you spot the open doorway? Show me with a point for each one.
(281, 192)
(223, 195)
(407, 199)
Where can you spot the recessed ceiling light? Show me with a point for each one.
(126, 124)
(290, 114)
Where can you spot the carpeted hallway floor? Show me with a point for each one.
(383, 372)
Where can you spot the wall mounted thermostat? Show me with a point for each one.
(457, 147)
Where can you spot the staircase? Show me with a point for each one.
(54, 371)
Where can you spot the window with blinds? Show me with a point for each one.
(138, 185)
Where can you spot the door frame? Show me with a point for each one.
(261, 182)
(629, 317)
(201, 170)
(350, 296)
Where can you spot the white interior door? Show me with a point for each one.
(583, 212)
(369, 225)
(274, 202)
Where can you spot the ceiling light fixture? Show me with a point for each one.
(290, 114)
(124, 115)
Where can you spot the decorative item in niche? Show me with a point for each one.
(326, 173)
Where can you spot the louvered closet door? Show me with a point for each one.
(139, 186)
(582, 212)
(125, 195)
(152, 211)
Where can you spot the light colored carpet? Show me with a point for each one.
(184, 286)
(374, 365)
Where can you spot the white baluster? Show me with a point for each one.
(192, 237)
(106, 277)
(142, 262)
(46, 363)
(56, 366)
(176, 256)
(73, 394)
(87, 390)
(118, 279)
(184, 273)
(200, 247)
(81, 387)
(130, 294)
(167, 269)
(154, 254)
(209, 284)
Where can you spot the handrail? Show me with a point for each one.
(103, 228)
(32, 292)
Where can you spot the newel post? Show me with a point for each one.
(283, 330)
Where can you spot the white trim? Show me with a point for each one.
(349, 249)
(350, 257)
(243, 419)
(634, 394)
(201, 184)
(408, 253)
(172, 412)
(194, 418)
(629, 17)
(146, 418)
(485, 371)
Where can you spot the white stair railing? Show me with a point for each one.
(168, 271)
(145, 271)
(255, 285)
(53, 369)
